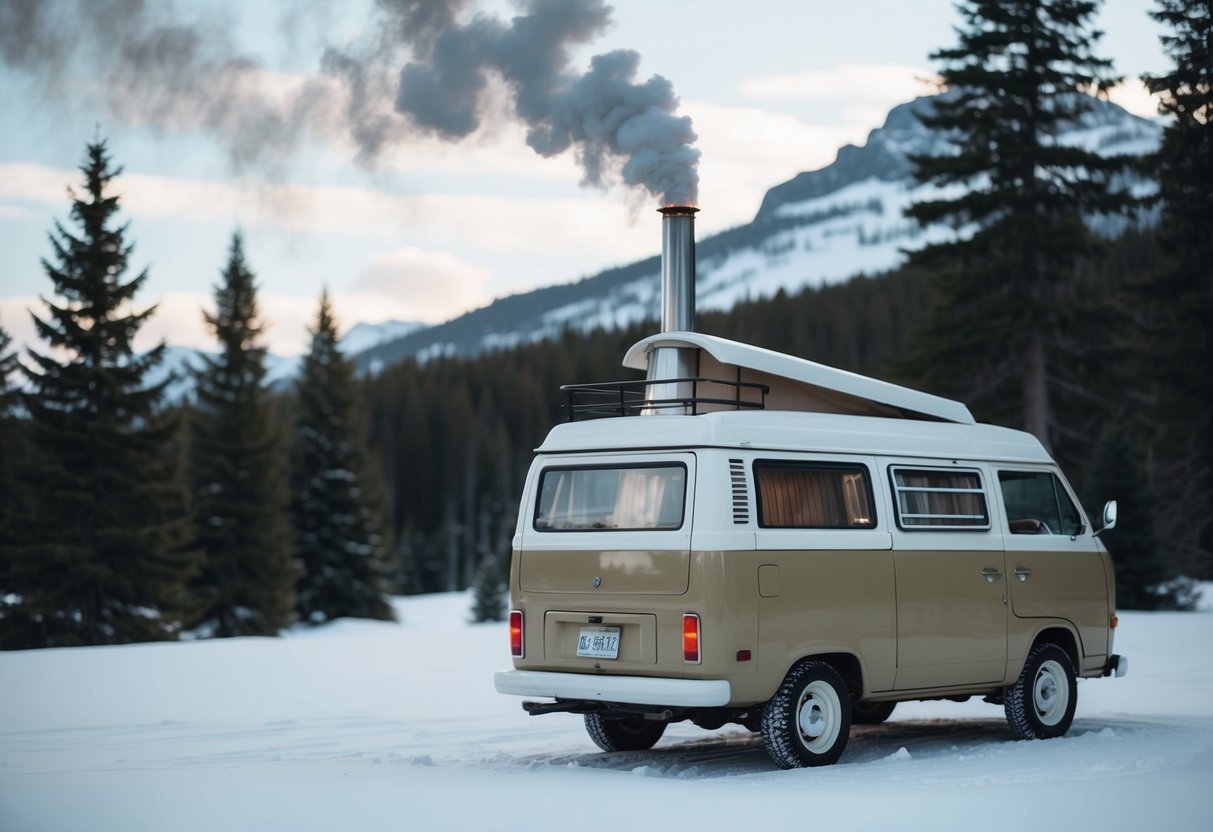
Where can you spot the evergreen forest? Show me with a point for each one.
(244, 508)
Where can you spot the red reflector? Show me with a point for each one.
(690, 638)
(516, 649)
(743, 655)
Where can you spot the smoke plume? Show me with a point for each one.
(423, 67)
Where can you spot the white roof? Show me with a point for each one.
(827, 433)
(809, 374)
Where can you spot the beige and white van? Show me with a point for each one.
(753, 538)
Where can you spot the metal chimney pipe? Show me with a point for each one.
(678, 268)
(677, 311)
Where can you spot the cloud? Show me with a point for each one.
(287, 318)
(510, 223)
(746, 150)
(15, 318)
(1132, 94)
(178, 319)
(405, 284)
(35, 183)
(16, 212)
(425, 286)
(883, 83)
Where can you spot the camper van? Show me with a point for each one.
(749, 537)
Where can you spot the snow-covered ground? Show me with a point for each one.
(368, 726)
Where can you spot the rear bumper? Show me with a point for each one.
(1117, 665)
(634, 690)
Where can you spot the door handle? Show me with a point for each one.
(991, 574)
(1023, 573)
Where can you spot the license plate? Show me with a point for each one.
(598, 643)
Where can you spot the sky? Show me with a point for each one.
(421, 217)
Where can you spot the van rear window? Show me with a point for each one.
(615, 498)
(930, 499)
(813, 496)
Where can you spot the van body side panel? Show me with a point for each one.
(1063, 578)
(725, 596)
(952, 611)
(951, 618)
(829, 601)
(824, 564)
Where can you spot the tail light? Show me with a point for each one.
(516, 648)
(690, 638)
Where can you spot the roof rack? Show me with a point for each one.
(629, 398)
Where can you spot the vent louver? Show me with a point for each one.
(741, 497)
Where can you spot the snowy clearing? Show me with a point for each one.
(368, 726)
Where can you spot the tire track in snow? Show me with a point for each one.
(945, 752)
(963, 752)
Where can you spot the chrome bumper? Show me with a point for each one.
(634, 690)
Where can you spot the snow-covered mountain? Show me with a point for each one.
(181, 361)
(362, 337)
(280, 369)
(820, 227)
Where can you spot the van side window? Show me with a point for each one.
(1037, 503)
(940, 499)
(794, 495)
(611, 498)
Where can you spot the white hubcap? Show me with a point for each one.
(818, 717)
(1050, 693)
(812, 720)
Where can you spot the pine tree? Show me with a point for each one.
(1175, 305)
(489, 590)
(237, 475)
(9, 365)
(339, 553)
(100, 558)
(1004, 296)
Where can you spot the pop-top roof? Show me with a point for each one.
(798, 384)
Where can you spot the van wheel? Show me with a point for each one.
(871, 713)
(1040, 705)
(808, 721)
(623, 734)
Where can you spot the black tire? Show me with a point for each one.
(623, 734)
(808, 721)
(871, 713)
(1040, 705)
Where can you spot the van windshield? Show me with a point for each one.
(619, 498)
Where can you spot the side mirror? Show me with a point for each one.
(1109, 517)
